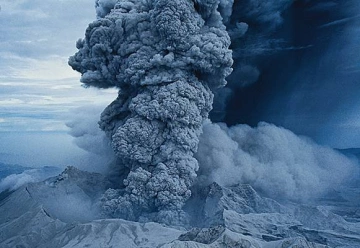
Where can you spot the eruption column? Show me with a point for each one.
(165, 57)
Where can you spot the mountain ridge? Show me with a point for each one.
(234, 216)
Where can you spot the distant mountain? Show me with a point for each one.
(61, 212)
(14, 176)
(8, 169)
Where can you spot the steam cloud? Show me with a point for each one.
(165, 57)
(87, 136)
(273, 160)
(15, 181)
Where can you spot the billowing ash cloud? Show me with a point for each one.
(165, 57)
(103, 7)
(273, 160)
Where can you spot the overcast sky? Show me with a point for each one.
(37, 87)
(38, 90)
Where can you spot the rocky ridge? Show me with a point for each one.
(62, 212)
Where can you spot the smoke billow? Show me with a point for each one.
(272, 159)
(165, 57)
(103, 7)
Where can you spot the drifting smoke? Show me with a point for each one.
(272, 159)
(15, 181)
(165, 57)
(87, 136)
(85, 130)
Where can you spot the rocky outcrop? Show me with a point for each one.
(62, 212)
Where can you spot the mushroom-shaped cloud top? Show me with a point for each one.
(164, 57)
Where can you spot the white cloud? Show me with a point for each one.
(15, 181)
(46, 108)
(53, 67)
(37, 148)
(273, 160)
(10, 102)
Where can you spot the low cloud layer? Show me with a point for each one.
(15, 181)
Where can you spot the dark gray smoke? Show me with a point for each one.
(164, 57)
(252, 25)
(296, 64)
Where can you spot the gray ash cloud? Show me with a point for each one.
(165, 57)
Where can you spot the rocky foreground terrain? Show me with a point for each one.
(62, 212)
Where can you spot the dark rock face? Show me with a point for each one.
(203, 235)
(211, 201)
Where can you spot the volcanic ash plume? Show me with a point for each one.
(165, 57)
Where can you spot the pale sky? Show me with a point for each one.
(38, 90)
(37, 87)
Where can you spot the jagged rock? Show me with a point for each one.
(42, 215)
(70, 196)
(241, 210)
(226, 239)
(242, 198)
(203, 235)
(211, 201)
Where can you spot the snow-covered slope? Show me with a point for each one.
(43, 214)
(62, 212)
